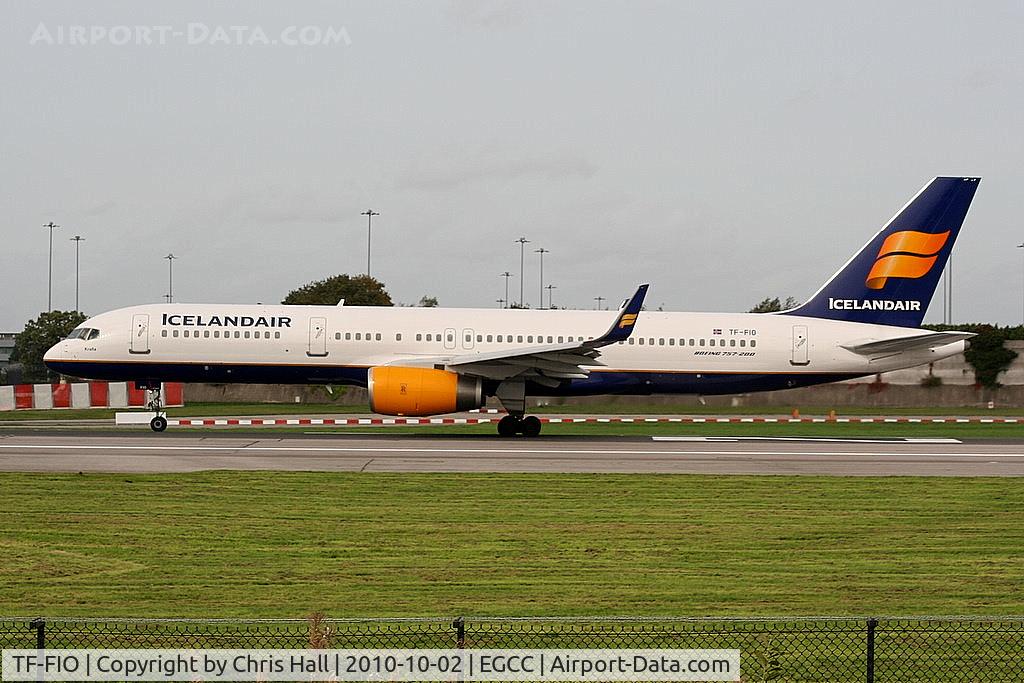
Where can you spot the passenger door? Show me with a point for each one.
(449, 338)
(317, 337)
(140, 333)
(467, 338)
(800, 344)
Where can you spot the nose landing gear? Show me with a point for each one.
(154, 401)
(513, 424)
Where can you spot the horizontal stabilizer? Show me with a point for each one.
(913, 342)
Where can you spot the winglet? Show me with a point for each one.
(625, 320)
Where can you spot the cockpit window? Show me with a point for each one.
(84, 333)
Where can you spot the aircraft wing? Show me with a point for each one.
(548, 365)
(914, 342)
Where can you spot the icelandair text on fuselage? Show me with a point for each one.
(226, 320)
(873, 305)
(368, 665)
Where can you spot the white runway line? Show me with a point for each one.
(239, 450)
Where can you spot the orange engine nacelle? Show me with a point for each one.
(396, 390)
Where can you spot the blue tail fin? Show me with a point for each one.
(892, 279)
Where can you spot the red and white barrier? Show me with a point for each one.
(83, 395)
(354, 421)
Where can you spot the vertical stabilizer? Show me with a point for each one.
(891, 280)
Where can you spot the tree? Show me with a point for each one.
(770, 305)
(427, 301)
(37, 338)
(358, 290)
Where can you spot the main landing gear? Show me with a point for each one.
(511, 424)
(154, 402)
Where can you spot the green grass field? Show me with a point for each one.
(244, 544)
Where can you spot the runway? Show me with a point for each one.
(152, 453)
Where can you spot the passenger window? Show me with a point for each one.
(277, 335)
(216, 334)
(743, 342)
(337, 335)
(206, 334)
(702, 342)
(490, 337)
(560, 338)
(174, 333)
(500, 337)
(753, 343)
(419, 336)
(398, 336)
(359, 336)
(732, 342)
(550, 339)
(661, 341)
(641, 341)
(469, 338)
(529, 339)
(630, 341)
(377, 336)
(671, 341)
(451, 337)
(368, 337)
(520, 339)
(247, 334)
(348, 336)
(479, 337)
(238, 335)
(163, 333)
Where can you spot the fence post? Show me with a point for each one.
(460, 632)
(872, 624)
(39, 626)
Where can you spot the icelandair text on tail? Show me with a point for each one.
(367, 665)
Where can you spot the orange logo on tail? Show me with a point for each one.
(627, 320)
(907, 254)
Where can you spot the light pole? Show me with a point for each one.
(170, 277)
(599, 299)
(1021, 246)
(522, 267)
(950, 266)
(506, 275)
(49, 287)
(549, 288)
(542, 251)
(369, 213)
(77, 239)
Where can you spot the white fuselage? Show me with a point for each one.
(700, 353)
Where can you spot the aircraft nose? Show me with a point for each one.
(55, 354)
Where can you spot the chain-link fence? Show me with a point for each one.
(833, 650)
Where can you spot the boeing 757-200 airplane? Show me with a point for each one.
(428, 361)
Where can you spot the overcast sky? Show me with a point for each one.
(721, 151)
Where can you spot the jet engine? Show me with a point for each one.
(396, 390)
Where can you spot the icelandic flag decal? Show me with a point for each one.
(717, 330)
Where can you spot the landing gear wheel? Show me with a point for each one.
(530, 426)
(155, 403)
(508, 426)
